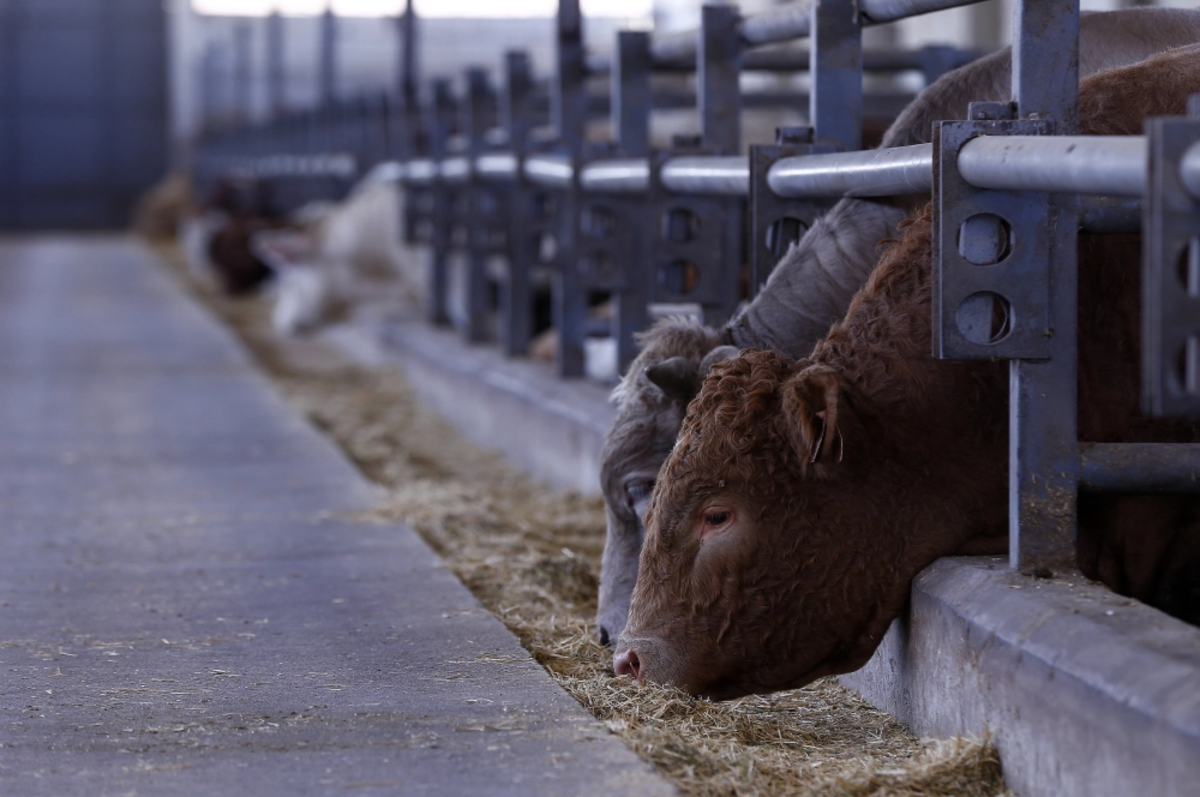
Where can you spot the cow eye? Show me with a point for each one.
(716, 518)
(638, 491)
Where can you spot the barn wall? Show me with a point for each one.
(83, 110)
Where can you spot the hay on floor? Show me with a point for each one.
(532, 557)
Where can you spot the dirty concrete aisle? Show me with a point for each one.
(186, 603)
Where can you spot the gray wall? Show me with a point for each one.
(83, 110)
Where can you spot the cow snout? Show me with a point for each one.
(604, 637)
(628, 664)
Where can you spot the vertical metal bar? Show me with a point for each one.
(516, 295)
(404, 140)
(240, 74)
(210, 82)
(1043, 436)
(276, 65)
(631, 103)
(1045, 62)
(631, 95)
(327, 90)
(568, 104)
(718, 66)
(568, 100)
(440, 112)
(1043, 401)
(408, 81)
(835, 71)
(482, 208)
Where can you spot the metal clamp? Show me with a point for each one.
(694, 244)
(777, 222)
(1171, 272)
(990, 256)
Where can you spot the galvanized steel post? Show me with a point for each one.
(440, 115)
(1043, 394)
(482, 208)
(630, 114)
(568, 106)
(516, 291)
(276, 66)
(327, 88)
(835, 69)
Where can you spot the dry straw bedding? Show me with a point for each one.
(532, 558)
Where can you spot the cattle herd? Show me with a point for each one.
(788, 503)
(773, 486)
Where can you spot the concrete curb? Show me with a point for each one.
(551, 428)
(1084, 692)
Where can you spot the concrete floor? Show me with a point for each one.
(185, 605)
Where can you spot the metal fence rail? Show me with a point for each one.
(509, 174)
(795, 22)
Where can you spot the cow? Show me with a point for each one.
(333, 256)
(809, 290)
(803, 496)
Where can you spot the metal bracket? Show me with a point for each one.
(776, 222)
(1171, 274)
(694, 244)
(990, 256)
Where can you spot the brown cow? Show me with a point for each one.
(811, 288)
(802, 497)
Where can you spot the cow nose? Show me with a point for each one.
(628, 664)
(604, 639)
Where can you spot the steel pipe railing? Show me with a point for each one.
(724, 175)
(793, 22)
(1109, 165)
(1099, 165)
(798, 60)
(551, 171)
(879, 11)
(1074, 164)
(455, 170)
(420, 171)
(1139, 467)
(496, 166)
(626, 176)
(877, 172)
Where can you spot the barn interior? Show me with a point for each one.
(319, 320)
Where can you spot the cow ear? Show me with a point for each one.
(810, 401)
(676, 377)
(717, 355)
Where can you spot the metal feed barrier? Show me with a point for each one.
(484, 175)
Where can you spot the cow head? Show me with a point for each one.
(767, 562)
(651, 401)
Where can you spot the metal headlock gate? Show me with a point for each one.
(484, 176)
